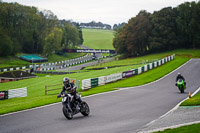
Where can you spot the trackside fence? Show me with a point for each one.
(94, 82)
(52, 88)
(56, 88)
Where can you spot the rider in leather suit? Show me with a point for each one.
(179, 76)
(71, 89)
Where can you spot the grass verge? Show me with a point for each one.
(195, 128)
(194, 101)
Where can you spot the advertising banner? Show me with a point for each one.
(172, 57)
(127, 74)
(150, 65)
(166, 59)
(135, 71)
(101, 80)
(113, 77)
(139, 70)
(163, 61)
(159, 62)
(94, 82)
(21, 92)
(86, 84)
(145, 68)
(88, 51)
(169, 58)
(3, 95)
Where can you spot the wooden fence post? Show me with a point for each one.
(45, 89)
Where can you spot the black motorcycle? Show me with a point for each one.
(76, 107)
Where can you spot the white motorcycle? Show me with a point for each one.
(76, 107)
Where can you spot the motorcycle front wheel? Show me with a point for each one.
(85, 110)
(67, 114)
(181, 89)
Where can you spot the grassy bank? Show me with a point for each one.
(55, 58)
(185, 129)
(36, 85)
(98, 39)
(12, 62)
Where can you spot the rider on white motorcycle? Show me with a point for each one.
(71, 89)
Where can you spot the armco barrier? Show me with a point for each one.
(90, 83)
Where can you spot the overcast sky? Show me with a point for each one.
(105, 11)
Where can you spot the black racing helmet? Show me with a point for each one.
(65, 81)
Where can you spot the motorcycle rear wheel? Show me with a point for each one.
(66, 113)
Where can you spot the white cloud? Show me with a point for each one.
(106, 11)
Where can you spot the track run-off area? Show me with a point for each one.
(127, 110)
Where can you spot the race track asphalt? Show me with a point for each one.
(123, 111)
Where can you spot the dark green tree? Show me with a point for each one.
(167, 29)
(189, 24)
(53, 41)
(132, 40)
(164, 32)
(70, 36)
(80, 33)
(119, 41)
(6, 45)
(138, 33)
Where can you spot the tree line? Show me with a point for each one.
(28, 30)
(116, 26)
(167, 29)
(97, 25)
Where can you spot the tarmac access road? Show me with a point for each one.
(81, 66)
(125, 111)
(62, 67)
